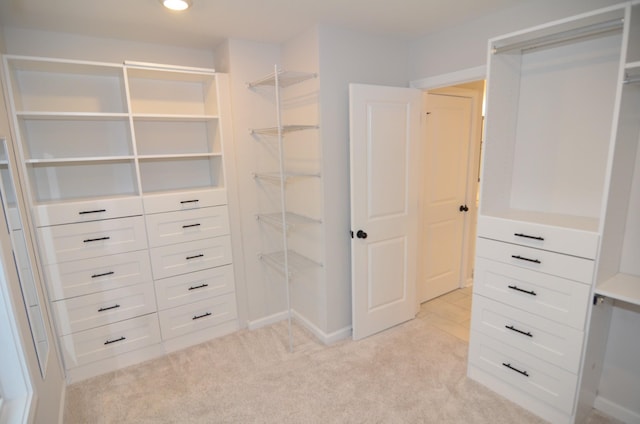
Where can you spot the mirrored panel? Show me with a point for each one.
(22, 257)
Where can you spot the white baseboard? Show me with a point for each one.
(325, 338)
(271, 319)
(616, 411)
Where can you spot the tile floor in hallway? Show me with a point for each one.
(450, 312)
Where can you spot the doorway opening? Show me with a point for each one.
(452, 143)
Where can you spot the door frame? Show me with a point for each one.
(442, 83)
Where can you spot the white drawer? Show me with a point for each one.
(548, 383)
(77, 278)
(197, 316)
(93, 310)
(557, 239)
(555, 298)
(545, 339)
(91, 210)
(71, 242)
(565, 266)
(183, 200)
(188, 288)
(181, 258)
(182, 226)
(110, 340)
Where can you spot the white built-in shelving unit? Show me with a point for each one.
(560, 190)
(286, 260)
(124, 174)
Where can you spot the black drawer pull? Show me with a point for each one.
(528, 236)
(532, 293)
(95, 211)
(115, 341)
(512, 328)
(190, 225)
(195, 256)
(203, 285)
(526, 374)
(96, 239)
(201, 316)
(535, 261)
(109, 308)
(189, 201)
(103, 274)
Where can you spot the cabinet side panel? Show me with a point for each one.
(502, 101)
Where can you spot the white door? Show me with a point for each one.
(385, 135)
(448, 136)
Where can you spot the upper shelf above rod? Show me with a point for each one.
(561, 32)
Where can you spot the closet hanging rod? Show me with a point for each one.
(600, 28)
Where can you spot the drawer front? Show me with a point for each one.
(93, 310)
(189, 288)
(555, 298)
(64, 243)
(184, 200)
(70, 212)
(182, 226)
(542, 338)
(110, 340)
(564, 266)
(182, 258)
(548, 383)
(197, 316)
(78, 278)
(557, 239)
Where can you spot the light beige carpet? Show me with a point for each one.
(413, 373)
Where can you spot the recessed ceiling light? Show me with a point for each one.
(176, 4)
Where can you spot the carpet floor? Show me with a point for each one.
(412, 373)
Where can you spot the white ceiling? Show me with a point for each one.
(210, 21)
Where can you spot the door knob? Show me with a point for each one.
(464, 208)
(361, 234)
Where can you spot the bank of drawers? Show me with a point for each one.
(120, 280)
(99, 278)
(531, 294)
(190, 251)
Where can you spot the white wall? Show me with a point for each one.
(346, 57)
(465, 46)
(303, 153)
(261, 294)
(322, 298)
